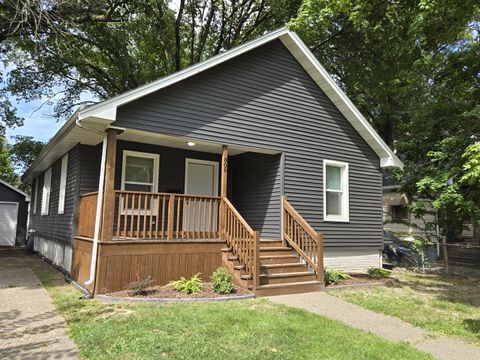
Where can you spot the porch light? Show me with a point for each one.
(191, 143)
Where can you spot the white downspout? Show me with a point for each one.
(96, 235)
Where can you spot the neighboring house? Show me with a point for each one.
(159, 180)
(400, 220)
(13, 215)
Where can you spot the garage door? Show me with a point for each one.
(8, 223)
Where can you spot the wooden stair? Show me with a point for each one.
(281, 271)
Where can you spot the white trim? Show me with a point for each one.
(16, 219)
(35, 196)
(145, 155)
(15, 189)
(345, 217)
(47, 188)
(216, 166)
(63, 184)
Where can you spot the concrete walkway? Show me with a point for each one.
(388, 327)
(29, 326)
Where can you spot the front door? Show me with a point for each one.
(201, 179)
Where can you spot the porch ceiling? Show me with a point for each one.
(181, 143)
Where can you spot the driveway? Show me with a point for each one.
(30, 328)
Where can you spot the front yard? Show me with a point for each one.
(233, 330)
(444, 305)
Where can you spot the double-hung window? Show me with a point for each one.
(47, 181)
(63, 185)
(140, 171)
(335, 191)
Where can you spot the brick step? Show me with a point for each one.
(288, 288)
(296, 277)
(278, 259)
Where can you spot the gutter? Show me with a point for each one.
(93, 263)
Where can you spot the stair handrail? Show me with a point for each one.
(307, 242)
(243, 241)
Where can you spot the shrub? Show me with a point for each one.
(139, 286)
(222, 281)
(188, 286)
(334, 276)
(378, 272)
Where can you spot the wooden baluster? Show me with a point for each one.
(144, 230)
(139, 214)
(189, 228)
(164, 200)
(131, 216)
(152, 204)
(125, 216)
(119, 211)
(178, 218)
(171, 213)
(204, 230)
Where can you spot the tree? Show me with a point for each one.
(6, 170)
(23, 151)
(62, 49)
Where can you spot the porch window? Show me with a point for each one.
(335, 191)
(140, 171)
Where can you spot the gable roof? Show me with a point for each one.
(27, 197)
(104, 113)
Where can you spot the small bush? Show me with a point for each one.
(334, 276)
(189, 286)
(378, 272)
(222, 281)
(139, 286)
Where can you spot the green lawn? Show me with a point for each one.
(231, 330)
(443, 305)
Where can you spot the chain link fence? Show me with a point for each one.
(439, 258)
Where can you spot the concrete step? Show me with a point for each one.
(285, 278)
(288, 288)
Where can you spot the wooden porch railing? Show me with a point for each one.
(303, 238)
(86, 214)
(243, 240)
(144, 215)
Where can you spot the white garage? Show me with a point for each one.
(13, 215)
(8, 223)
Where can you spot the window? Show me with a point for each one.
(335, 191)
(399, 213)
(63, 185)
(47, 180)
(140, 171)
(35, 196)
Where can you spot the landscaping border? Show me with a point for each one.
(116, 299)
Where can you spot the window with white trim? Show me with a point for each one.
(140, 171)
(335, 191)
(47, 182)
(35, 196)
(63, 185)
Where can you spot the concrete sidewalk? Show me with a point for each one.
(388, 327)
(29, 326)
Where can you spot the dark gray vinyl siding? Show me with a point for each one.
(171, 172)
(264, 99)
(256, 192)
(10, 195)
(55, 226)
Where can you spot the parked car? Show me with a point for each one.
(397, 253)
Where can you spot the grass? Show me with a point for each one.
(233, 330)
(443, 305)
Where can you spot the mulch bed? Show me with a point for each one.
(168, 292)
(361, 280)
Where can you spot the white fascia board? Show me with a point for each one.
(106, 108)
(323, 79)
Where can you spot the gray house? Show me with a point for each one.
(253, 159)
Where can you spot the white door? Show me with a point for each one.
(8, 223)
(201, 179)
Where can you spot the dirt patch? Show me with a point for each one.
(168, 292)
(360, 279)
